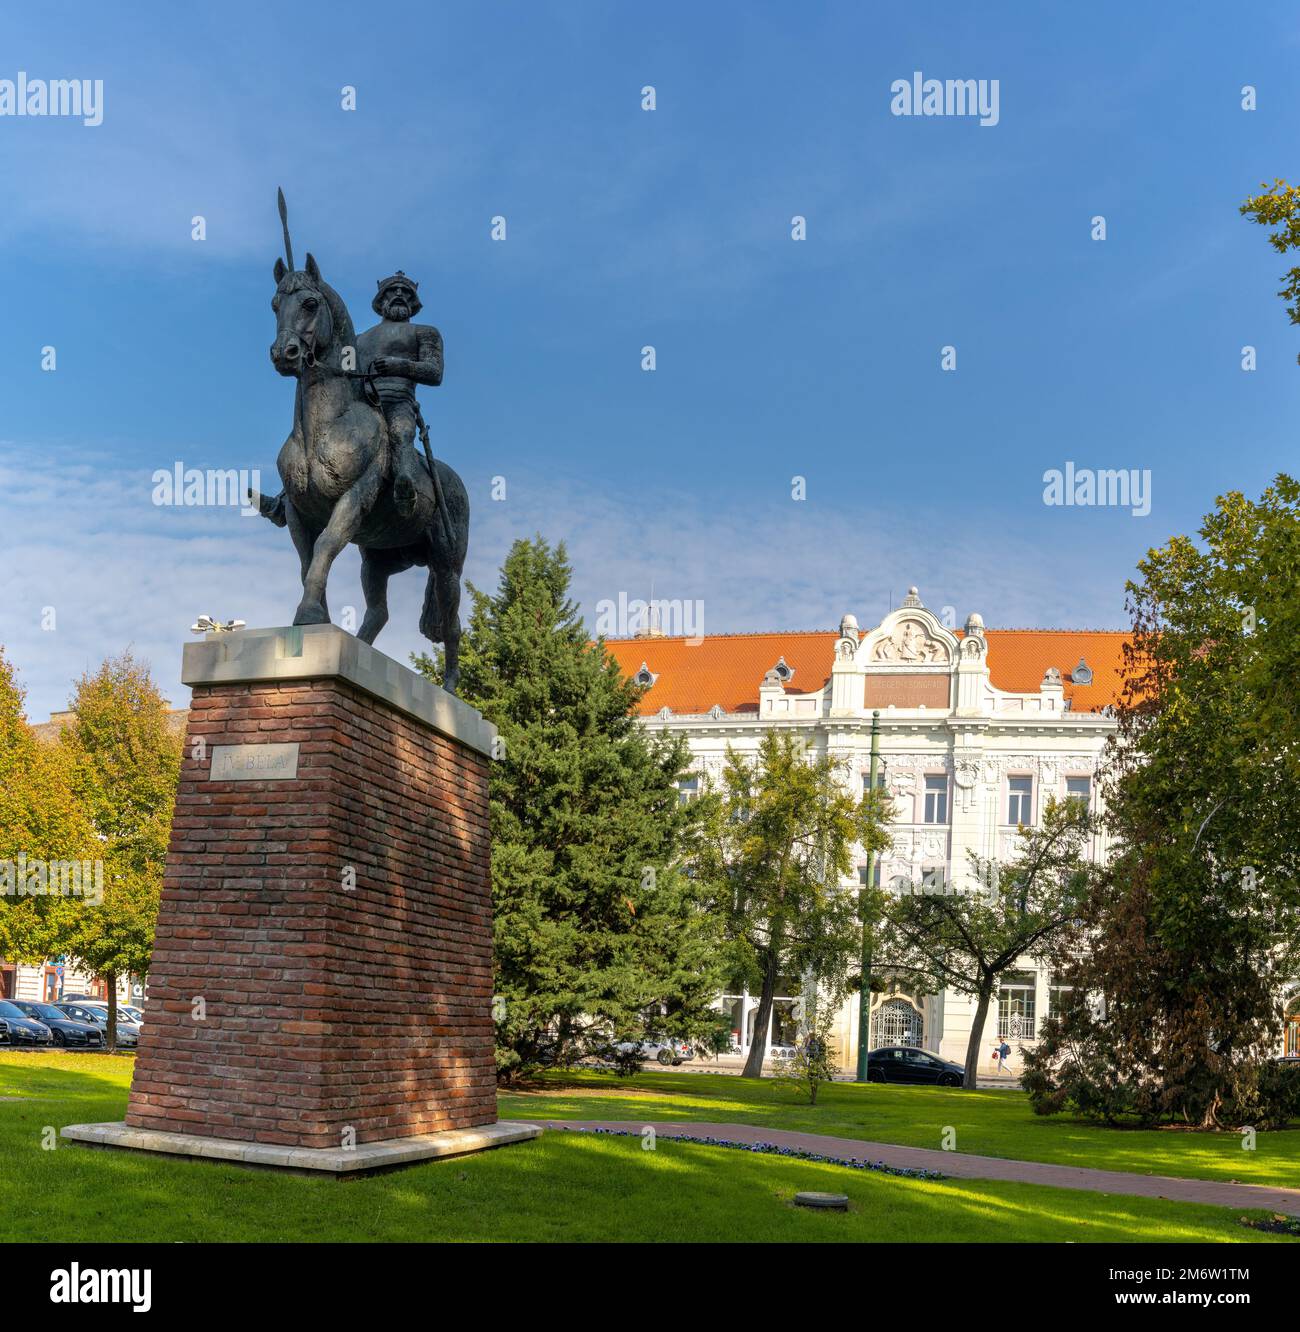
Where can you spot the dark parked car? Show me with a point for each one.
(128, 1034)
(65, 1030)
(906, 1063)
(16, 1028)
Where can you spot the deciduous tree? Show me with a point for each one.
(778, 849)
(41, 820)
(1195, 930)
(966, 937)
(125, 766)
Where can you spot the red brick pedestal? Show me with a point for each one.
(322, 971)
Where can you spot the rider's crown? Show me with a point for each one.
(384, 283)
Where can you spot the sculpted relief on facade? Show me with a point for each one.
(910, 642)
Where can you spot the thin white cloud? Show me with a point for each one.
(86, 541)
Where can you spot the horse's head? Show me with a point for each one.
(309, 315)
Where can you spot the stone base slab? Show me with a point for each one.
(364, 1159)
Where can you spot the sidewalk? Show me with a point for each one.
(962, 1165)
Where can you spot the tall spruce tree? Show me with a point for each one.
(600, 935)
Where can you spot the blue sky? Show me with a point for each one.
(775, 358)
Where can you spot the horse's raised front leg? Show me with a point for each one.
(274, 509)
(345, 522)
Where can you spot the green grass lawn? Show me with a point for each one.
(987, 1123)
(562, 1187)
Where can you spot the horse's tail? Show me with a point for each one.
(430, 614)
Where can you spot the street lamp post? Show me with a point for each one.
(864, 992)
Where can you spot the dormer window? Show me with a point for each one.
(1082, 673)
(783, 672)
(645, 677)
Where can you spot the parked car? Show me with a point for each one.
(133, 1012)
(665, 1049)
(907, 1063)
(128, 1033)
(16, 1028)
(63, 1029)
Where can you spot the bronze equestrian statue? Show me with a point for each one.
(349, 466)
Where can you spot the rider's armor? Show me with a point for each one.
(419, 348)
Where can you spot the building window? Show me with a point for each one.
(1057, 997)
(936, 799)
(875, 878)
(1016, 1006)
(1079, 788)
(1020, 803)
(866, 782)
(688, 789)
(933, 878)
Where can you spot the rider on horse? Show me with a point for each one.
(400, 355)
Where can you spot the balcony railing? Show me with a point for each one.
(1017, 1027)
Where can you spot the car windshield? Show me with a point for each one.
(101, 1012)
(48, 1011)
(9, 1010)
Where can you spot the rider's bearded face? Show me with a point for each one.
(398, 301)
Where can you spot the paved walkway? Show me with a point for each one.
(963, 1165)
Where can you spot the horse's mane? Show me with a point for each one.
(345, 333)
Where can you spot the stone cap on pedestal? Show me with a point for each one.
(317, 651)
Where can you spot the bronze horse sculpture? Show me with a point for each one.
(337, 470)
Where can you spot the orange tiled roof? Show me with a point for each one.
(726, 669)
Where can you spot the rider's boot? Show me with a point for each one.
(407, 495)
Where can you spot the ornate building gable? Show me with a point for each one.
(907, 661)
(908, 639)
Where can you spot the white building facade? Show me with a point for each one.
(978, 729)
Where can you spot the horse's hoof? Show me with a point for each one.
(313, 613)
